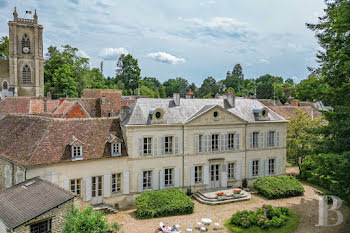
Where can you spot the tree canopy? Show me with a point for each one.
(4, 48)
(128, 72)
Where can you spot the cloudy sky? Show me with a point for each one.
(193, 39)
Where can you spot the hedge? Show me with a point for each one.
(278, 187)
(168, 202)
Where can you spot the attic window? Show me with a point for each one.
(264, 113)
(116, 149)
(216, 114)
(158, 115)
(77, 152)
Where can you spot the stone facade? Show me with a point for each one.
(9, 178)
(57, 215)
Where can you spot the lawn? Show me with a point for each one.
(290, 226)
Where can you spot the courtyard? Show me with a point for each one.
(306, 206)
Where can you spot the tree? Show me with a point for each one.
(95, 79)
(300, 139)
(4, 48)
(178, 85)
(265, 86)
(311, 89)
(128, 72)
(209, 88)
(238, 71)
(63, 82)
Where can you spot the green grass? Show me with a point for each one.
(291, 225)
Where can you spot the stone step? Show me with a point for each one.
(210, 201)
(105, 208)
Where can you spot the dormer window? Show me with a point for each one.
(116, 149)
(77, 152)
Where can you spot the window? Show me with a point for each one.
(26, 75)
(231, 141)
(97, 186)
(231, 171)
(147, 180)
(200, 142)
(271, 138)
(272, 164)
(77, 152)
(116, 182)
(116, 149)
(41, 227)
(158, 115)
(198, 174)
(147, 146)
(75, 186)
(4, 85)
(255, 168)
(168, 179)
(214, 142)
(255, 140)
(215, 114)
(25, 43)
(168, 145)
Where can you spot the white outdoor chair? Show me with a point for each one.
(164, 228)
(217, 225)
(199, 224)
(189, 228)
(203, 229)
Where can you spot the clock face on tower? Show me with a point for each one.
(25, 50)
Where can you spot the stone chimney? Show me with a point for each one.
(176, 98)
(45, 105)
(124, 112)
(48, 95)
(230, 98)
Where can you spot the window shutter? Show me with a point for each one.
(209, 142)
(277, 167)
(238, 141)
(140, 182)
(48, 176)
(206, 174)
(192, 176)
(251, 140)
(87, 188)
(177, 177)
(162, 146)
(161, 179)
(238, 170)
(267, 139)
(155, 179)
(66, 184)
(205, 143)
(266, 167)
(262, 139)
(197, 143)
(176, 145)
(126, 181)
(226, 142)
(222, 142)
(155, 146)
(19, 177)
(278, 138)
(250, 169)
(140, 147)
(224, 176)
(8, 179)
(261, 168)
(107, 185)
(55, 178)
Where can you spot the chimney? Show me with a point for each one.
(230, 98)
(48, 95)
(176, 97)
(45, 105)
(124, 112)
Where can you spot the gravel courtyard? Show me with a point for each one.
(306, 206)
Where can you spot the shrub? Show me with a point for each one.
(278, 187)
(163, 203)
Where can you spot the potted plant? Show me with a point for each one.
(237, 192)
(221, 195)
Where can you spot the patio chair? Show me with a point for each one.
(209, 216)
(217, 225)
(199, 224)
(203, 229)
(164, 228)
(189, 228)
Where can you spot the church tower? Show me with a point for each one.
(26, 61)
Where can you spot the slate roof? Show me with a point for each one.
(289, 112)
(189, 108)
(22, 202)
(33, 140)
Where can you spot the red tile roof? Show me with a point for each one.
(289, 112)
(26, 105)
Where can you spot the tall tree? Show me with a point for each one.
(266, 85)
(209, 88)
(238, 71)
(313, 88)
(4, 48)
(178, 85)
(128, 72)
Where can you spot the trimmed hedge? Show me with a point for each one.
(168, 202)
(278, 187)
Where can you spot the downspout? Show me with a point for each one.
(183, 156)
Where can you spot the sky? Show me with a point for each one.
(193, 39)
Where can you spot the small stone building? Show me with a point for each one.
(34, 206)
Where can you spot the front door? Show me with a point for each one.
(214, 176)
(96, 190)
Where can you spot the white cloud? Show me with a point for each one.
(264, 61)
(112, 53)
(166, 58)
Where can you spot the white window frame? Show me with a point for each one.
(169, 177)
(75, 186)
(271, 139)
(116, 183)
(147, 146)
(231, 167)
(255, 168)
(169, 145)
(147, 180)
(214, 142)
(198, 174)
(231, 141)
(116, 149)
(272, 166)
(255, 140)
(77, 152)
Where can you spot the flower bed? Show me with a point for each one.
(264, 218)
(168, 202)
(220, 194)
(278, 187)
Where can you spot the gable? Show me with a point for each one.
(214, 115)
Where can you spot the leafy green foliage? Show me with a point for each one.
(330, 171)
(209, 88)
(4, 48)
(311, 89)
(178, 85)
(128, 72)
(168, 202)
(278, 187)
(265, 86)
(87, 221)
